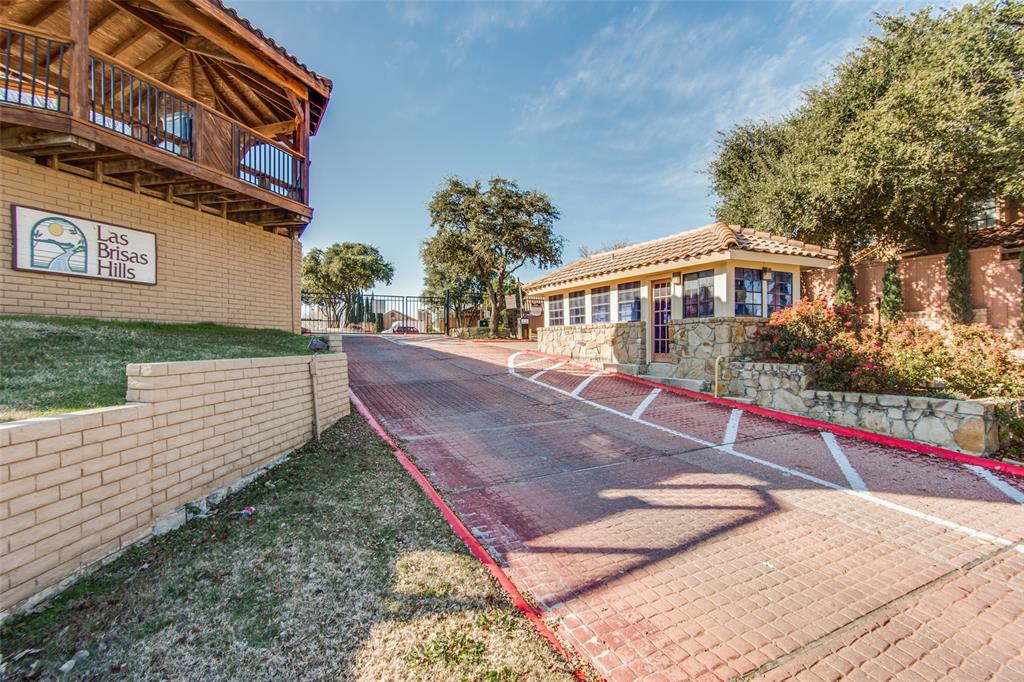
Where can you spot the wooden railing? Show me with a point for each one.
(34, 70)
(125, 103)
(267, 164)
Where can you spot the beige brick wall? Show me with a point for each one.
(208, 269)
(76, 488)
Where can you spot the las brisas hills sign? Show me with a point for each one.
(66, 245)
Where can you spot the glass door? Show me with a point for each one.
(661, 313)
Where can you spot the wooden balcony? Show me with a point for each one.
(96, 116)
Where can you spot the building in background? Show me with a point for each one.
(154, 157)
(713, 272)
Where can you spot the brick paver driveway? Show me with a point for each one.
(670, 538)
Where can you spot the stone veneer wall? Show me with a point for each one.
(78, 487)
(617, 343)
(966, 425)
(695, 343)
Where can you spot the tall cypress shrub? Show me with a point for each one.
(892, 292)
(846, 288)
(1021, 268)
(958, 278)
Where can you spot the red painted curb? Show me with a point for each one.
(478, 550)
(497, 340)
(912, 446)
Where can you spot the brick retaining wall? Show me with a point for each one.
(78, 487)
(966, 425)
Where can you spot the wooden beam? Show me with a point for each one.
(79, 30)
(45, 12)
(262, 111)
(154, 22)
(159, 60)
(98, 24)
(275, 129)
(262, 59)
(26, 139)
(130, 40)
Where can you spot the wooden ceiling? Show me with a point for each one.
(199, 48)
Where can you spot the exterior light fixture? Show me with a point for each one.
(677, 278)
(766, 274)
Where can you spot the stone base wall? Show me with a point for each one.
(617, 343)
(79, 487)
(966, 425)
(696, 343)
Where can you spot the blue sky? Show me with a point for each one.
(610, 108)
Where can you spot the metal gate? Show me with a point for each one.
(375, 313)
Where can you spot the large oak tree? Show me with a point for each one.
(334, 278)
(490, 233)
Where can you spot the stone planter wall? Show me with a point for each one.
(696, 344)
(615, 343)
(965, 425)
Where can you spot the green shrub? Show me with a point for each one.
(958, 278)
(846, 286)
(1010, 416)
(892, 292)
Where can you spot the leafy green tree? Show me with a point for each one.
(491, 233)
(465, 292)
(892, 292)
(900, 145)
(334, 278)
(958, 278)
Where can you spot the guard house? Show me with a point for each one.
(668, 307)
(154, 158)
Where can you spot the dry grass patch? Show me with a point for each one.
(346, 571)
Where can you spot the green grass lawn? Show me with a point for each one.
(345, 571)
(50, 364)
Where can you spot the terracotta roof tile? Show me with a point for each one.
(702, 241)
(326, 82)
(1008, 236)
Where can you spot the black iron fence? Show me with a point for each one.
(34, 71)
(375, 313)
(464, 316)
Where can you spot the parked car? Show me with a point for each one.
(399, 328)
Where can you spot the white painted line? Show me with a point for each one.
(732, 429)
(642, 407)
(730, 450)
(586, 382)
(856, 482)
(545, 371)
(997, 483)
(529, 362)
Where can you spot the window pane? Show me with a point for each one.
(699, 294)
(556, 311)
(601, 305)
(629, 302)
(780, 291)
(577, 307)
(748, 292)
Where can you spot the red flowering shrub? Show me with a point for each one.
(842, 353)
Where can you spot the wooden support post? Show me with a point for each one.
(79, 83)
(97, 171)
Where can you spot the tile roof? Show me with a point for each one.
(323, 80)
(1008, 236)
(702, 241)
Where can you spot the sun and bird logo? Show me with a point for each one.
(59, 245)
